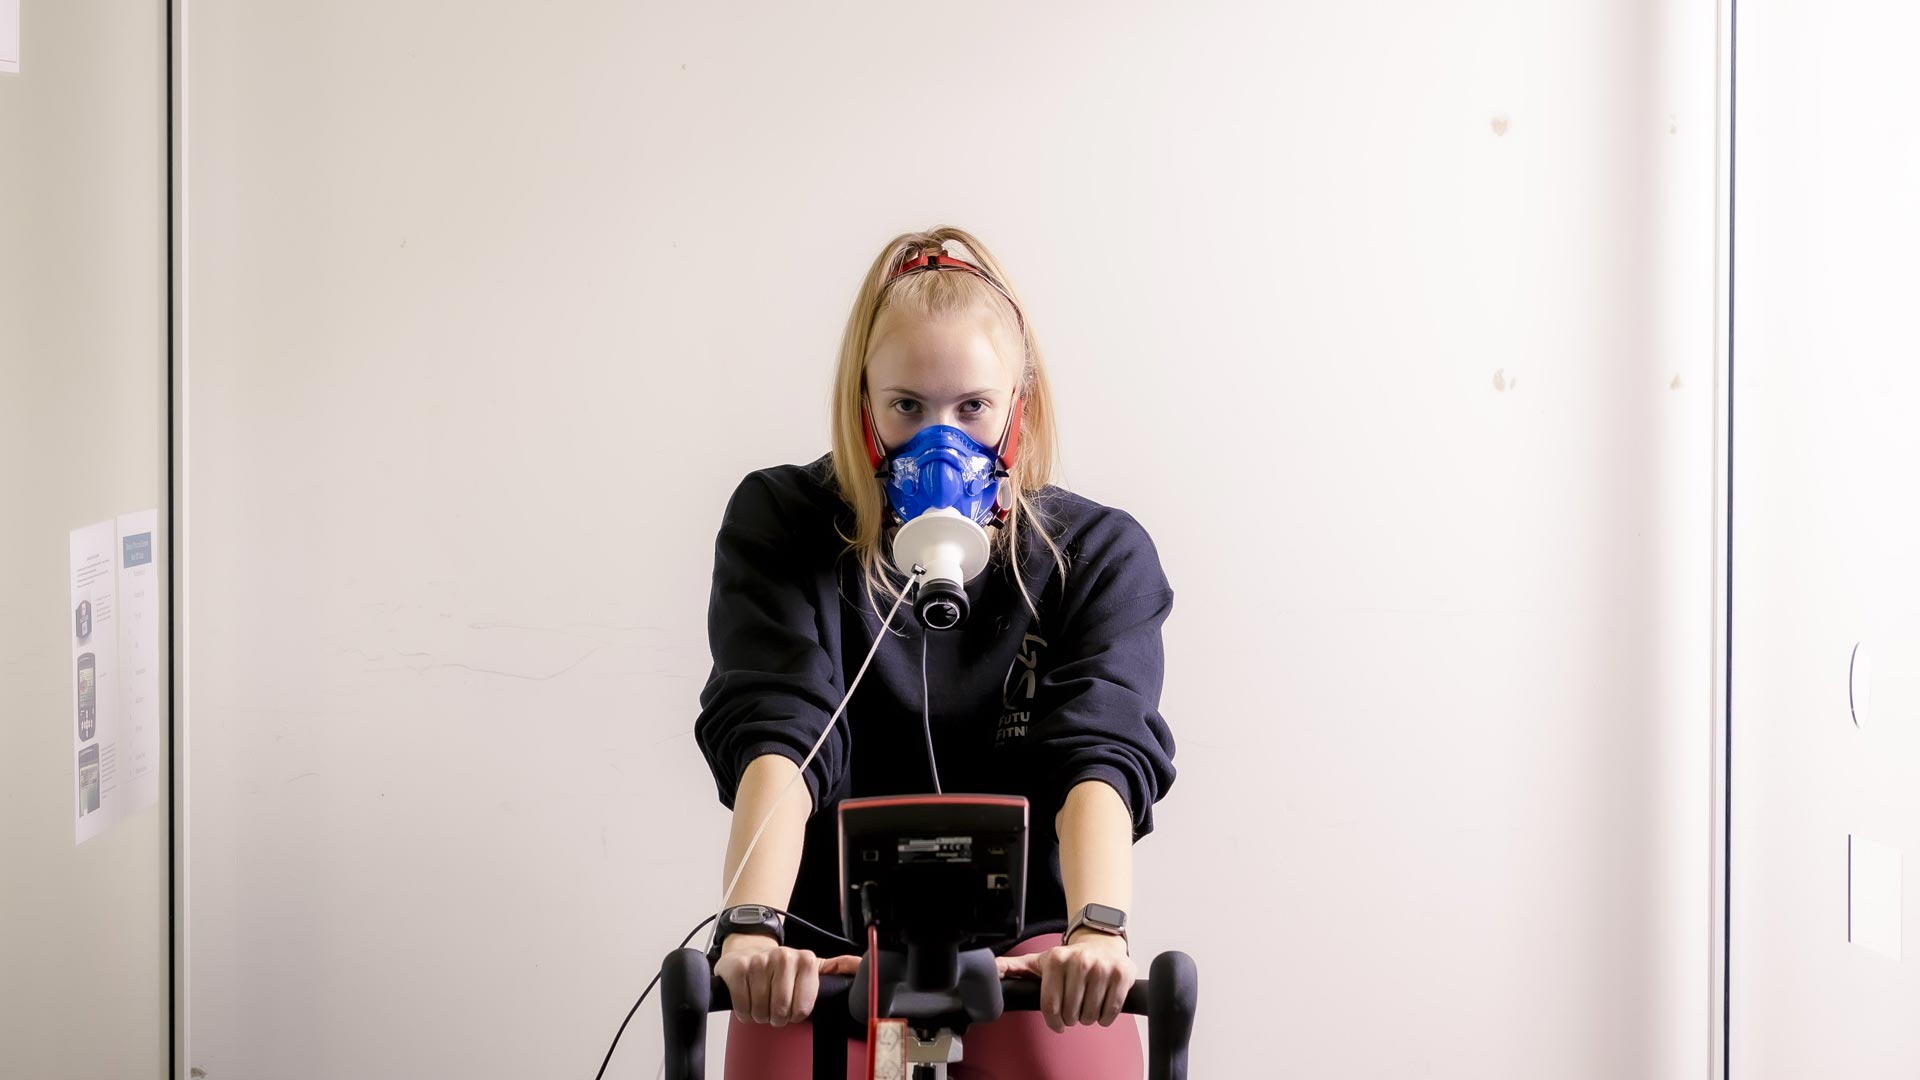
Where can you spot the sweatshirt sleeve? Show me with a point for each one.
(1097, 706)
(772, 687)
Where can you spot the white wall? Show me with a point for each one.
(492, 307)
(83, 400)
(1826, 388)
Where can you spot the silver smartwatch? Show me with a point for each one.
(1099, 917)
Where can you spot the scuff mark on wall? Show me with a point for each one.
(510, 674)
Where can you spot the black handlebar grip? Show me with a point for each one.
(832, 987)
(1023, 995)
(686, 979)
(1168, 998)
(1176, 994)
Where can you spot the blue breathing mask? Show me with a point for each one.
(942, 467)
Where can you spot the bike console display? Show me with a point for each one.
(949, 869)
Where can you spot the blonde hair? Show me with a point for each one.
(929, 294)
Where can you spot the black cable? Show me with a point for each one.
(926, 711)
(683, 944)
(925, 716)
(643, 997)
(791, 917)
(174, 647)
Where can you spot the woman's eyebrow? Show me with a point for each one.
(910, 392)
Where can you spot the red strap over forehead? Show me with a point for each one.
(941, 261)
(936, 260)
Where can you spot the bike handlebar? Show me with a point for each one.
(689, 991)
(1020, 995)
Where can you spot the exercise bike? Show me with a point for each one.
(928, 878)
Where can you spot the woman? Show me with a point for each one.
(1049, 689)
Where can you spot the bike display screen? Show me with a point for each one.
(934, 867)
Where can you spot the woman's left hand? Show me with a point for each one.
(1085, 982)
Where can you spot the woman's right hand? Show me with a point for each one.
(771, 983)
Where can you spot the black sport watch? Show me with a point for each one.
(747, 919)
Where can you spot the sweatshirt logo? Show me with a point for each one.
(1017, 690)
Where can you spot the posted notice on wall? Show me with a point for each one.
(115, 631)
(10, 36)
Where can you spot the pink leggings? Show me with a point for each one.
(1018, 1046)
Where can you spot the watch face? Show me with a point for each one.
(1106, 916)
(748, 914)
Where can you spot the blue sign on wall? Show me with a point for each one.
(136, 550)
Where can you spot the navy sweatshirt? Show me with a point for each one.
(1019, 706)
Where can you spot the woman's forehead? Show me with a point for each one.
(923, 355)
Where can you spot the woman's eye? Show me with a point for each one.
(970, 408)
